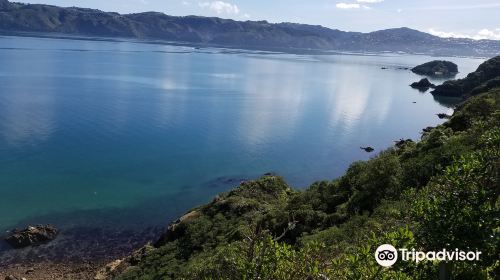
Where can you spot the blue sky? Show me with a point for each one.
(476, 19)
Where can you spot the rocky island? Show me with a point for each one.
(423, 84)
(436, 68)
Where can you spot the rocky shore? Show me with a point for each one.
(76, 253)
(51, 271)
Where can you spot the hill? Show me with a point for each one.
(439, 193)
(17, 17)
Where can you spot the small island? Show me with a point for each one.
(436, 68)
(423, 85)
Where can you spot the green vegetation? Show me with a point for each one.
(442, 192)
(441, 68)
(486, 77)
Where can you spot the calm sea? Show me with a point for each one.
(128, 135)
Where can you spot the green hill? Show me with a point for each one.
(439, 193)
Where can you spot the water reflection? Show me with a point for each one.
(27, 114)
(119, 128)
(272, 101)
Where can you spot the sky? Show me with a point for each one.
(476, 19)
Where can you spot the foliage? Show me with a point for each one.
(442, 192)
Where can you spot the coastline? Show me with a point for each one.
(53, 270)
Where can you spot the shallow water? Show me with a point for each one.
(130, 135)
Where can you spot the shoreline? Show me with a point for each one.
(52, 270)
(236, 49)
(74, 254)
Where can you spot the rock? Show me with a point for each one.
(436, 68)
(176, 229)
(32, 235)
(443, 116)
(117, 267)
(11, 277)
(423, 84)
(367, 149)
(30, 270)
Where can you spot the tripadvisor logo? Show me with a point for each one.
(386, 255)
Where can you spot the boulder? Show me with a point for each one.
(423, 84)
(436, 68)
(367, 149)
(32, 235)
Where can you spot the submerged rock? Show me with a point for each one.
(436, 68)
(32, 235)
(367, 149)
(424, 84)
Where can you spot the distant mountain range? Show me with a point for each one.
(34, 18)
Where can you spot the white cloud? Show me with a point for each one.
(220, 7)
(186, 3)
(479, 35)
(347, 6)
(370, 1)
(351, 6)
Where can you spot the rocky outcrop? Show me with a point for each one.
(436, 68)
(117, 267)
(367, 149)
(423, 84)
(32, 235)
(176, 229)
(485, 77)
